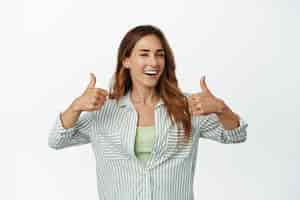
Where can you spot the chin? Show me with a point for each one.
(150, 86)
(147, 83)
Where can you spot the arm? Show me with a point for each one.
(73, 127)
(210, 127)
(229, 119)
(218, 122)
(70, 129)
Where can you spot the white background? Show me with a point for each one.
(248, 50)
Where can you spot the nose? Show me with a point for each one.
(153, 61)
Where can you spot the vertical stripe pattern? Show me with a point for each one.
(168, 174)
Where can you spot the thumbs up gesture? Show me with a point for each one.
(205, 102)
(92, 98)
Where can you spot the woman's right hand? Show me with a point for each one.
(92, 99)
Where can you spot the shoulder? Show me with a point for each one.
(111, 115)
(110, 111)
(108, 106)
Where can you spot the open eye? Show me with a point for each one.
(144, 54)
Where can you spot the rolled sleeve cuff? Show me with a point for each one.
(236, 135)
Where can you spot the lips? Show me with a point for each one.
(150, 71)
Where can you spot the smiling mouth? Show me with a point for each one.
(151, 72)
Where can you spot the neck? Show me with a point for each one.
(144, 96)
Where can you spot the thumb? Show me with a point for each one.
(92, 82)
(203, 85)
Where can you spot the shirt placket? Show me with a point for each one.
(145, 192)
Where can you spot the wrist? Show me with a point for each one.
(74, 108)
(221, 107)
(228, 114)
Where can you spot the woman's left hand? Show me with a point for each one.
(205, 102)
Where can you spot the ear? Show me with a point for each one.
(126, 63)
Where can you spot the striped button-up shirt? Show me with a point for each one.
(169, 172)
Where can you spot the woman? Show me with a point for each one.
(144, 135)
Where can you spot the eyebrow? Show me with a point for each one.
(147, 50)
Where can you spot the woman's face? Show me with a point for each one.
(146, 62)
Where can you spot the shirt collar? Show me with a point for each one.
(125, 101)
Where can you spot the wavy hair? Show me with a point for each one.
(167, 87)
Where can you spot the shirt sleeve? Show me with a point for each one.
(60, 137)
(210, 127)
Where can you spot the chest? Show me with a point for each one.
(145, 115)
(118, 135)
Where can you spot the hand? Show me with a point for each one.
(205, 102)
(92, 99)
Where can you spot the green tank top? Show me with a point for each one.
(144, 142)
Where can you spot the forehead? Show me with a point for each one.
(151, 42)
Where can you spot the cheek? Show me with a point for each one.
(141, 62)
(138, 63)
(162, 62)
(136, 68)
(163, 65)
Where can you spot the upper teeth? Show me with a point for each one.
(151, 71)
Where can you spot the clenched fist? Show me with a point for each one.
(205, 102)
(92, 99)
